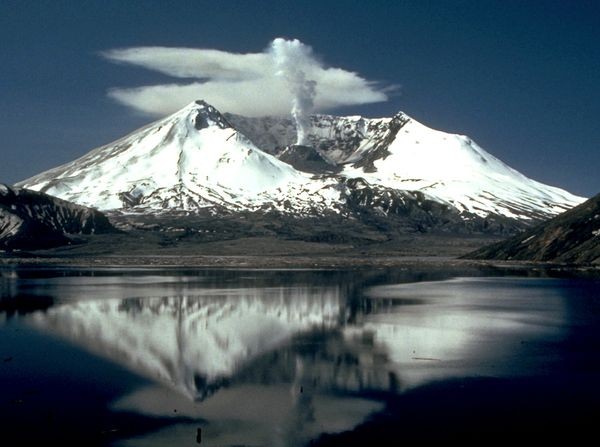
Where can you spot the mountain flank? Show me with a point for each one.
(571, 237)
(33, 220)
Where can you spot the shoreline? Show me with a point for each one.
(309, 262)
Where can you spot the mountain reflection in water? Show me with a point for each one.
(194, 343)
(279, 365)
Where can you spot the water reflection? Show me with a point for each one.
(249, 414)
(194, 343)
(266, 366)
(466, 327)
(278, 365)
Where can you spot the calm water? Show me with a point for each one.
(293, 358)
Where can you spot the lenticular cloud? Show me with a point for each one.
(285, 78)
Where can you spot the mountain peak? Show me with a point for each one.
(190, 160)
(400, 115)
(203, 115)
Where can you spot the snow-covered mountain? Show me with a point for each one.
(402, 154)
(199, 159)
(190, 160)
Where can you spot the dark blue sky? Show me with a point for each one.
(519, 77)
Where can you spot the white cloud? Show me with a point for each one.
(247, 84)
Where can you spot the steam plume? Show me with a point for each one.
(291, 57)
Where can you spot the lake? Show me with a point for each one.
(152, 357)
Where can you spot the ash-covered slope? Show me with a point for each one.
(32, 220)
(191, 160)
(572, 237)
(403, 154)
(307, 159)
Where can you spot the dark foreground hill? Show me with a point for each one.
(571, 237)
(32, 220)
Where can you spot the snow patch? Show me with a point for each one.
(528, 239)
